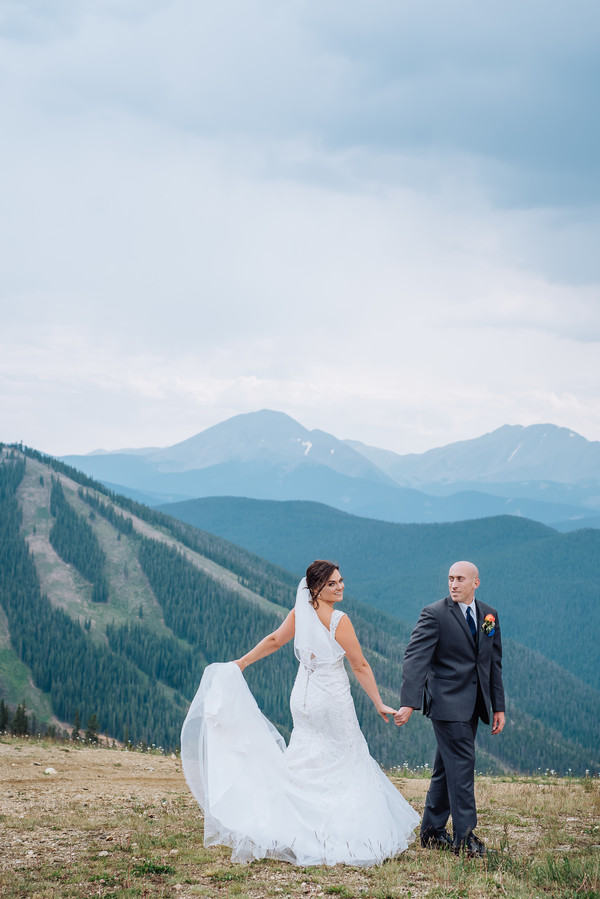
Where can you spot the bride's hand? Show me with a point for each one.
(238, 662)
(384, 711)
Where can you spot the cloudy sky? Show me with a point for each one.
(381, 217)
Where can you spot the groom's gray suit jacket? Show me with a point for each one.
(448, 672)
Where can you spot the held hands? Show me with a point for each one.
(384, 711)
(498, 722)
(402, 715)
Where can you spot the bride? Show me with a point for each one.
(323, 800)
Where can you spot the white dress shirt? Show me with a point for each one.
(472, 606)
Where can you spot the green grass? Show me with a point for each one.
(116, 823)
(15, 678)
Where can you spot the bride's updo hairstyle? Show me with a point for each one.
(317, 576)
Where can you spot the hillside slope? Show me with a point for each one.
(176, 599)
(530, 573)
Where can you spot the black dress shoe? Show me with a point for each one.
(437, 841)
(473, 847)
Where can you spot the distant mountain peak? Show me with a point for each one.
(510, 453)
(544, 472)
(268, 437)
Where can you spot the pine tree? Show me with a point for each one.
(91, 730)
(20, 726)
(76, 733)
(4, 717)
(100, 590)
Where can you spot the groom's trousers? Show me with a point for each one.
(452, 787)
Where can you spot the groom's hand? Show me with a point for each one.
(498, 722)
(402, 715)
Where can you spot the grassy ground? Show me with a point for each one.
(114, 823)
(15, 679)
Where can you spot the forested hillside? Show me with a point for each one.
(539, 580)
(174, 599)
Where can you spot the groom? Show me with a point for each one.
(453, 667)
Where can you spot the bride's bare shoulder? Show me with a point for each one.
(324, 614)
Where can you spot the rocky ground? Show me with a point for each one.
(79, 822)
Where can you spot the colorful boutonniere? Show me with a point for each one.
(489, 625)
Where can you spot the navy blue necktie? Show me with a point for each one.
(471, 623)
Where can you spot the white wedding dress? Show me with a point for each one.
(323, 800)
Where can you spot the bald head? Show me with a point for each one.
(465, 568)
(463, 580)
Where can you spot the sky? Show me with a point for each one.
(381, 218)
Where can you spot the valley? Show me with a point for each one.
(179, 597)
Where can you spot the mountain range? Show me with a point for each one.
(544, 583)
(112, 609)
(542, 472)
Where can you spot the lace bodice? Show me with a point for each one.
(336, 617)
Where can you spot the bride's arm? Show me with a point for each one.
(270, 644)
(346, 637)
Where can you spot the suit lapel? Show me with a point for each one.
(462, 621)
(483, 611)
